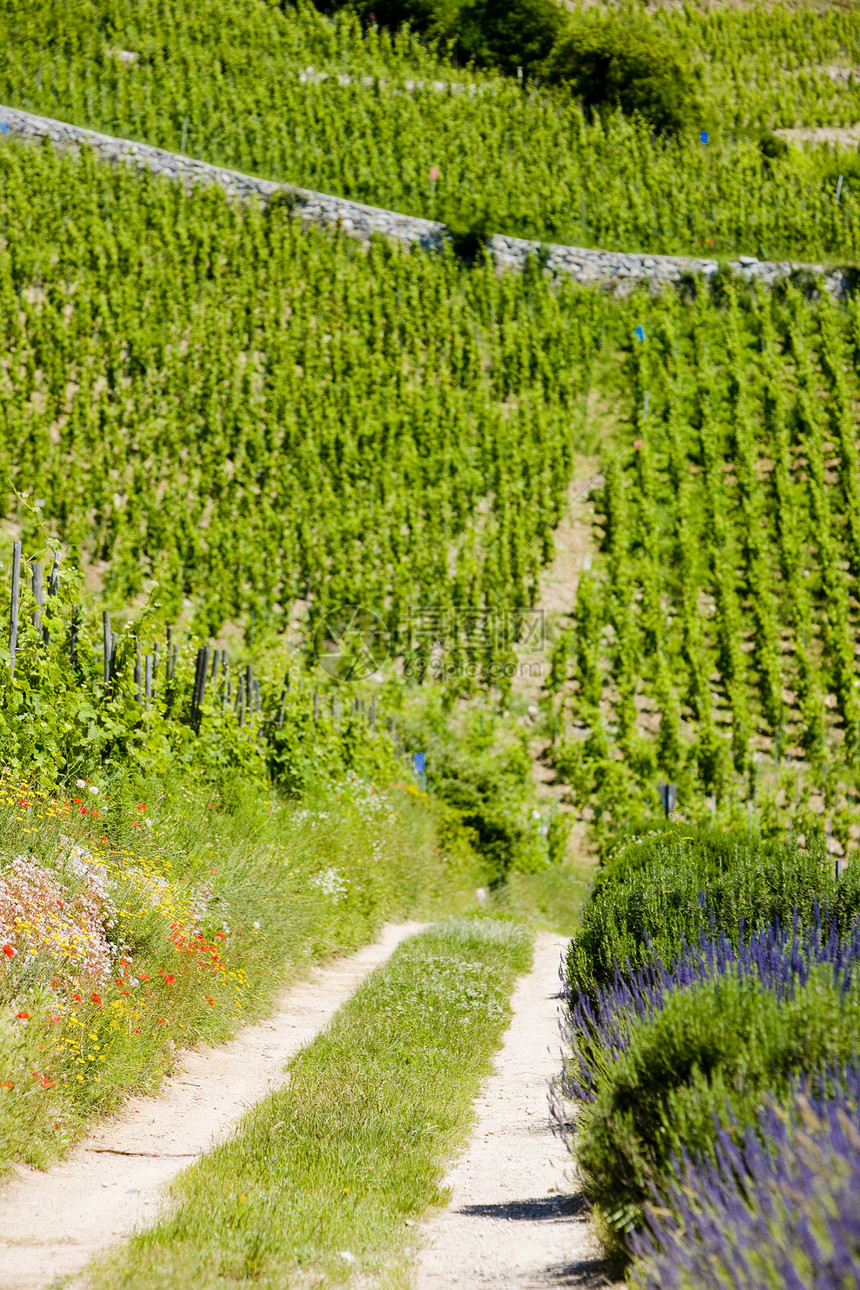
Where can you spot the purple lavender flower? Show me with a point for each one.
(777, 1209)
(780, 958)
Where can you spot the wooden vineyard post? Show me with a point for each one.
(258, 710)
(107, 642)
(54, 580)
(284, 699)
(668, 797)
(138, 672)
(13, 609)
(73, 636)
(39, 597)
(148, 683)
(199, 687)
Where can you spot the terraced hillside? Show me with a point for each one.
(278, 506)
(282, 93)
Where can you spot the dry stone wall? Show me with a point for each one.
(617, 268)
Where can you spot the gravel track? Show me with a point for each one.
(515, 1218)
(113, 1183)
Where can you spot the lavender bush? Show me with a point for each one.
(779, 1209)
(668, 1054)
(656, 890)
(778, 958)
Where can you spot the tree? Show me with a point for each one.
(611, 64)
(511, 33)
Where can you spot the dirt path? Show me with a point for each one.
(515, 1219)
(847, 136)
(52, 1223)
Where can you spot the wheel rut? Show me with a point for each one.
(515, 1219)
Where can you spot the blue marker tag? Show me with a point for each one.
(639, 333)
(703, 136)
(418, 763)
(4, 127)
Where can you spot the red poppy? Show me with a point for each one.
(8, 951)
(143, 977)
(47, 1083)
(97, 999)
(141, 806)
(6, 1084)
(22, 1016)
(77, 801)
(77, 998)
(169, 978)
(60, 903)
(209, 999)
(162, 1021)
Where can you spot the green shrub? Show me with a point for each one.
(659, 891)
(610, 64)
(520, 33)
(480, 770)
(772, 146)
(708, 1055)
(433, 18)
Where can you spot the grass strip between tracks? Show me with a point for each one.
(322, 1176)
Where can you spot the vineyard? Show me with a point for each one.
(280, 513)
(474, 149)
(715, 637)
(313, 423)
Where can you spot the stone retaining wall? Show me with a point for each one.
(586, 266)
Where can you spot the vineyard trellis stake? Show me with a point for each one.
(13, 610)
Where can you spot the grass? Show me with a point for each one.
(322, 1176)
(549, 899)
(214, 901)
